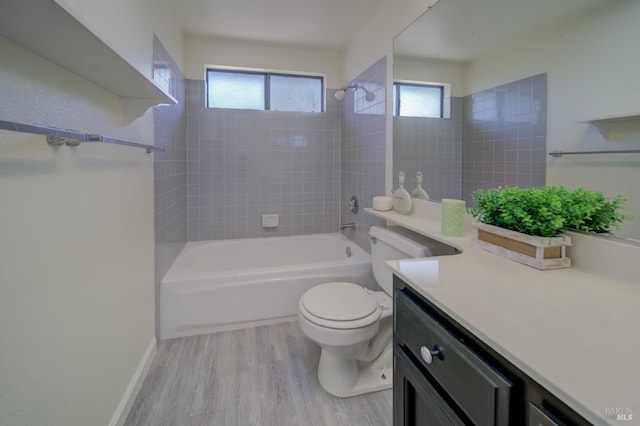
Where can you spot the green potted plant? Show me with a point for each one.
(526, 224)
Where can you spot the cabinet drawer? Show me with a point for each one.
(480, 391)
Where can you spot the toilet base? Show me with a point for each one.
(348, 377)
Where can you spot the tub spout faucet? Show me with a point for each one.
(344, 226)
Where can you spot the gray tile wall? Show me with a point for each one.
(245, 163)
(239, 164)
(504, 136)
(496, 137)
(169, 167)
(432, 146)
(363, 150)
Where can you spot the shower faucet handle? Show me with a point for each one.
(354, 204)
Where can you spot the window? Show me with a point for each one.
(247, 89)
(418, 100)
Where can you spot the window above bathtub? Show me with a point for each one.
(245, 88)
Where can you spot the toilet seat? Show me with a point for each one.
(339, 305)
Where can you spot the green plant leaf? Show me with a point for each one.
(547, 211)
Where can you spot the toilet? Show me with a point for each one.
(353, 325)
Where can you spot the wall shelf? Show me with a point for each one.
(618, 127)
(45, 28)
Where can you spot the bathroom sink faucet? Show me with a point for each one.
(344, 226)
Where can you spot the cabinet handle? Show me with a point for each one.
(428, 354)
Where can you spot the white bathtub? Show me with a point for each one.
(230, 284)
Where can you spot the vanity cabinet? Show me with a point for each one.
(444, 375)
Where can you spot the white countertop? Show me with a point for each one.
(577, 334)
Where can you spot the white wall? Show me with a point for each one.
(76, 225)
(592, 72)
(226, 52)
(76, 314)
(127, 26)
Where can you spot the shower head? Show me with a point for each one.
(339, 95)
(369, 96)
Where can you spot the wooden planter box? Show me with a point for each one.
(538, 252)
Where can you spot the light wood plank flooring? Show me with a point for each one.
(259, 376)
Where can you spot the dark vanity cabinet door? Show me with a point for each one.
(415, 402)
(444, 375)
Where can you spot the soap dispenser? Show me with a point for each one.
(419, 192)
(401, 198)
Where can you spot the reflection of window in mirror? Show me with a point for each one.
(421, 99)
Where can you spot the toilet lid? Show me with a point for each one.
(338, 301)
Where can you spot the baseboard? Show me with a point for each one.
(194, 331)
(130, 394)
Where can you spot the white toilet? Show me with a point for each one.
(353, 325)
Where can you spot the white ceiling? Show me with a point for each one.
(456, 30)
(460, 30)
(317, 23)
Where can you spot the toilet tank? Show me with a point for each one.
(395, 242)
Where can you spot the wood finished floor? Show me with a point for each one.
(259, 376)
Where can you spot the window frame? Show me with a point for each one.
(443, 87)
(267, 74)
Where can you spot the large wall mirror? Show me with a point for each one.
(518, 79)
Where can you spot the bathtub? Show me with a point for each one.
(231, 284)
